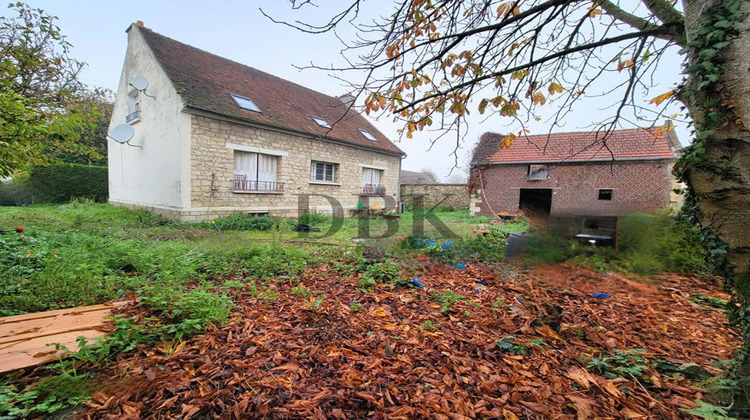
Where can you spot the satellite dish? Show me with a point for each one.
(139, 83)
(122, 133)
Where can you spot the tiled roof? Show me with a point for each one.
(631, 144)
(205, 81)
(411, 177)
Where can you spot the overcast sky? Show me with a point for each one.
(238, 31)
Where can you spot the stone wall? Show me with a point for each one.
(451, 195)
(212, 168)
(637, 186)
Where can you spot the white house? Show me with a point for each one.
(213, 136)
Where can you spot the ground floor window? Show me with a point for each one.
(256, 172)
(322, 171)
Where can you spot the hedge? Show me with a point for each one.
(15, 192)
(63, 182)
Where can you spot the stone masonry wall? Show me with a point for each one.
(213, 164)
(637, 187)
(452, 195)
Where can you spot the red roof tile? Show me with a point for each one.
(631, 144)
(205, 81)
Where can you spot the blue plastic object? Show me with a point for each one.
(461, 266)
(482, 282)
(601, 295)
(418, 284)
(447, 244)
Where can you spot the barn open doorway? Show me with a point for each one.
(535, 201)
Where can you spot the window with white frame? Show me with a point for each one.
(323, 172)
(255, 172)
(134, 106)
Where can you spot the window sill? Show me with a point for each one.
(257, 192)
(135, 121)
(335, 184)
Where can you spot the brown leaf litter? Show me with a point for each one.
(283, 359)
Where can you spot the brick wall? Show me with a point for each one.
(636, 186)
(452, 195)
(213, 164)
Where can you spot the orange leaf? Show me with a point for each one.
(657, 100)
(507, 141)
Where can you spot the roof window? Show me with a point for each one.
(245, 103)
(367, 135)
(320, 121)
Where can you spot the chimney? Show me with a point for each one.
(674, 143)
(139, 23)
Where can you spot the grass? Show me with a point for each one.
(184, 275)
(85, 253)
(648, 244)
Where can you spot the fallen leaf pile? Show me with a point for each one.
(404, 353)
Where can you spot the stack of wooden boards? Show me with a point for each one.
(26, 340)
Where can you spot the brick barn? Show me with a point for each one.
(574, 174)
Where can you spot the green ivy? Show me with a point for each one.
(705, 68)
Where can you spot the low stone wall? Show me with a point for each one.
(451, 195)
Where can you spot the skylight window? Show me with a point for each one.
(320, 121)
(245, 103)
(367, 135)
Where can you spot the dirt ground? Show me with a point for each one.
(517, 345)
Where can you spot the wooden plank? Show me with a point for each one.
(48, 314)
(36, 351)
(42, 326)
(25, 339)
(89, 324)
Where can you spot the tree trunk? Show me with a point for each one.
(721, 182)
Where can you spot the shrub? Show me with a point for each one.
(243, 221)
(654, 244)
(60, 183)
(16, 192)
(648, 244)
(314, 218)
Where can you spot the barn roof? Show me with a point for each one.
(620, 145)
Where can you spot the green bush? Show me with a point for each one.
(60, 183)
(313, 218)
(653, 244)
(648, 244)
(16, 192)
(243, 221)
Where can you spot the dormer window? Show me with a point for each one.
(245, 103)
(320, 121)
(367, 135)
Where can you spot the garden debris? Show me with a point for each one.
(26, 340)
(400, 356)
(305, 228)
